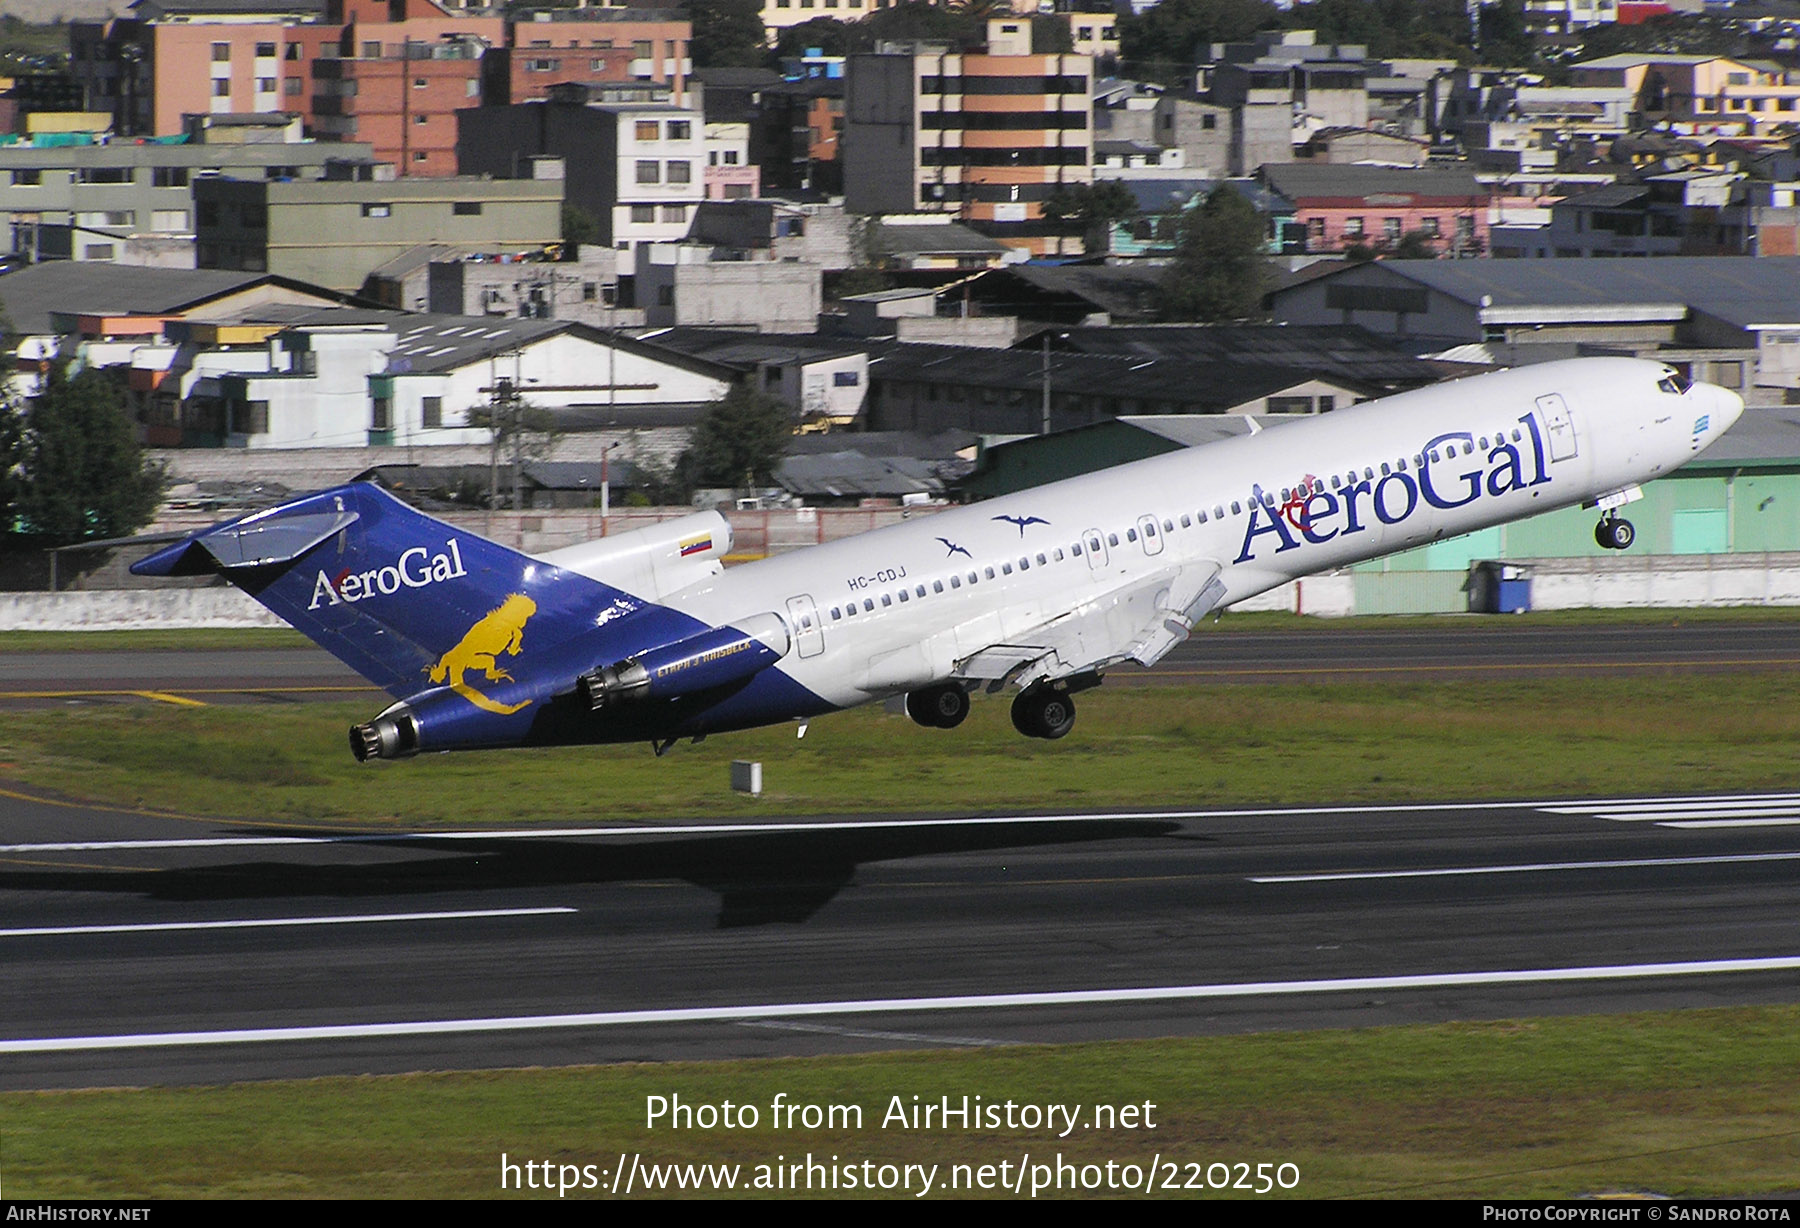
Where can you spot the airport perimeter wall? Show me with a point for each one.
(1669, 581)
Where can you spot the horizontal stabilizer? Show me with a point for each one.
(255, 541)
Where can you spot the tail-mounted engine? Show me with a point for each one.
(714, 658)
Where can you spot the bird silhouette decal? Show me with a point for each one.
(1021, 521)
(952, 548)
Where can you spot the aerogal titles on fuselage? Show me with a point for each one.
(1456, 481)
(415, 568)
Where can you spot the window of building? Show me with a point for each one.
(265, 85)
(1390, 228)
(221, 53)
(1429, 226)
(680, 130)
(1353, 228)
(371, 51)
(680, 172)
(265, 51)
(649, 171)
(674, 213)
(104, 174)
(381, 414)
(646, 130)
(641, 49)
(431, 412)
(466, 208)
(643, 213)
(291, 87)
(167, 177)
(420, 118)
(373, 209)
(27, 178)
(97, 251)
(222, 87)
(420, 155)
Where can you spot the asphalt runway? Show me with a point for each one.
(148, 949)
(1483, 648)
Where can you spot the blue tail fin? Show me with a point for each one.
(391, 592)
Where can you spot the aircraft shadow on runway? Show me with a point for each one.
(760, 878)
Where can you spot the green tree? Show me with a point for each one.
(1219, 271)
(75, 472)
(739, 441)
(578, 227)
(1416, 245)
(1093, 207)
(917, 20)
(828, 34)
(1160, 44)
(727, 34)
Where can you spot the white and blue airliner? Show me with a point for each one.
(647, 636)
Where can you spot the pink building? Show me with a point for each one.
(1343, 206)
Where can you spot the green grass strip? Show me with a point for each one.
(1145, 747)
(1682, 1103)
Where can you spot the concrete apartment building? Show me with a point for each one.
(986, 137)
(184, 57)
(681, 284)
(386, 73)
(132, 203)
(333, 232)
(1700, 93)
(637, 166)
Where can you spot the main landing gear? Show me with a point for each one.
(938, 707)
(1043, 711)
(1613, 533)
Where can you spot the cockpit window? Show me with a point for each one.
(1674, 383)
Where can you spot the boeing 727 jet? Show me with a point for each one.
(646, 636)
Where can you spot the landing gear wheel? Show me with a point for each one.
(1615, 534)
(1043, 712)
(938, 707)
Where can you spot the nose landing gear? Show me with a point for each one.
(1612, 533)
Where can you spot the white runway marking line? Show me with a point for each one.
(269, 922)
(1765, 810)
(750, 829)
(878, 1006)
(1633, 863)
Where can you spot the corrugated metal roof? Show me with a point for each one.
(1741, 290)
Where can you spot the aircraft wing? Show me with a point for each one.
(1139, 621)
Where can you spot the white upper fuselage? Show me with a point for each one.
(906, 606)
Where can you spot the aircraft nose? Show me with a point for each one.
(1728, 406)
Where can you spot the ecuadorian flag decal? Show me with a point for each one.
(696, 545)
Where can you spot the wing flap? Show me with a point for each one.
(1138, 622)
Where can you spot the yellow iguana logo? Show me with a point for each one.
(500, 630)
